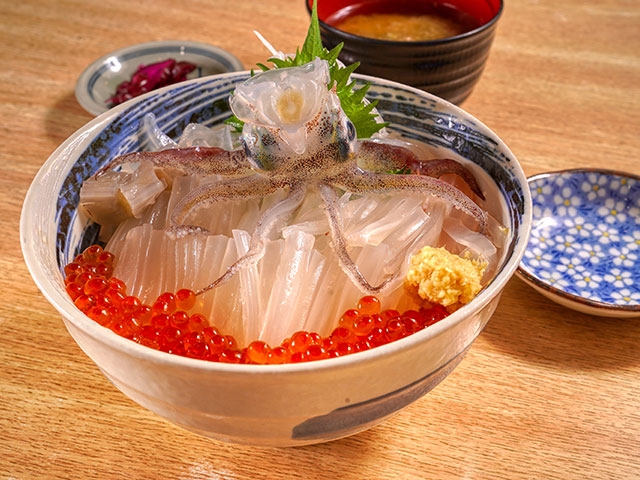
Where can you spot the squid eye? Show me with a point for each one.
(347, 139)
(351, 131)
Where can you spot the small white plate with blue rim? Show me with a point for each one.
(98, 82)
(584, 249)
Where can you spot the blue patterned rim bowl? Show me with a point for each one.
(98, 82)
(584, 250)
(275, 405)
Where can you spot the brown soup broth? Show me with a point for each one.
(402, 20)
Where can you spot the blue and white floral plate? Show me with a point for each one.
(584, 249)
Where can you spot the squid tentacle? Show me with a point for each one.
(383, 157)
(244, 187)
(361, 181)
(350, 268)
(260, 235)
(441, 166)
(189, 160)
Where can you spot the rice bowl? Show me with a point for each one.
(281, 404)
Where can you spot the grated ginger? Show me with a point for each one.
(439, 276)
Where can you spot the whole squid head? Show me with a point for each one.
(292, 116)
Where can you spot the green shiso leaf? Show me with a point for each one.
(352, 98)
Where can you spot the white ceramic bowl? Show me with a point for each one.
(277, 405)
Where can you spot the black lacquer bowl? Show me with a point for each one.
(448, 67)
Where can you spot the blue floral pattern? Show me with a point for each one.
(585, 237)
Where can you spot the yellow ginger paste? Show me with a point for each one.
(439, 276)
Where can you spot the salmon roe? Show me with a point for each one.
(168, 325)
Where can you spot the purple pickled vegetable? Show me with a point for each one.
(150, 77)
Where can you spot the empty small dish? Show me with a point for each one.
(99, 81)
(584, 249)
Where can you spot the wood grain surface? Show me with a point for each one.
(545, 392)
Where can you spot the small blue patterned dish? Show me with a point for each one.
(98, 82)
(584, 249)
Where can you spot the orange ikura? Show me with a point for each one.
(167, 324)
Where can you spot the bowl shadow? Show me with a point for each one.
(356, 453)
(547, 333)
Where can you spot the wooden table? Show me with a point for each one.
(544, 392)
